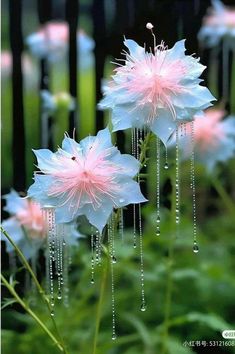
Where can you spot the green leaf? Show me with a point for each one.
(7, 302)
(210, 320)
(141, 329)
(177, 347)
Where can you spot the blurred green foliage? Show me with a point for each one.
(202, 295)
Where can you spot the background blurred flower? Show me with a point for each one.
(25, 224)
(27, 227)
(85, 49)
(217, 24)
(214, 138)
(28, 68)
(90, 178)
(60, 100)
(156, 90)
(51, 42)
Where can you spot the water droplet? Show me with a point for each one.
(121, 224)
(121, 200)
(134, 245)
(195, 248)
(158, 233)
(52, 313)
(114, 259)
(114, 336)
(59, 296)
(143, 307)
(158, 219)
(64, 243)
(92, 281)
(166, 166)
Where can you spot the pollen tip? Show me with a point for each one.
(149, 26)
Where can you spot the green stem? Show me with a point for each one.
(144, 146)
(31, 313)
(228, 203)
(40, 289)
(25, 262)
(169, 284)
(99, 306)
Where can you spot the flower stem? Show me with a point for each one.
(169, 284)
(144, 146)
(40, 289)
(31, 313)
(228, 203)
(99, 306)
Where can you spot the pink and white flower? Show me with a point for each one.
(219, 23)
(51, 42)
(25, 224)
(155, 90)
(90, 178)
(28, 69)
(214, 138)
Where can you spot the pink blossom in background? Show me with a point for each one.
(214, 138)
(208, 130)
(28, 68)
(25, 224)
(218, 24)
(51, 42)
(6, 63)
(31, 219)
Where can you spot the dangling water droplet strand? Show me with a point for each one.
(59, 242)
(133, 146)
(66, 251)
(114, 259)
(166, 166)
(143, 302)
(50, 222)
(92, 257)
(97, 248)
(177, 179)
(185, 129)
(193, 187)
(158, 187)
(111, 255)
(46, 251)
(121, 224)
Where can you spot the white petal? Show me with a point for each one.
(163, 125)
(14, 203)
